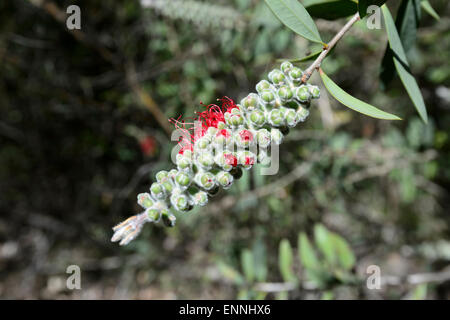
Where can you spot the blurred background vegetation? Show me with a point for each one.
(83, 130)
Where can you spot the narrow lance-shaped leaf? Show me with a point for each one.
(286, 261)
(429, 9)
(401, 65)
(247, 265)
(306, 253)
(406, 22)
(293, 15)
(344, 252)
(354, 103)
(324, 242)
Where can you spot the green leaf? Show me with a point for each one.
(353, 103)
(330, 9)
(364, 4)
(230, 273)
(401, 65)
(308, 257)
(345, 254)
(407, 22)
(429, 9)
(420, 292)
(247, 265)
(293, 15)
(309, 57)
(285, 261)
(324, 242)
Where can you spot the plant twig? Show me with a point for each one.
(327, 48)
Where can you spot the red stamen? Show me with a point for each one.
(208, 118)
(249, 161)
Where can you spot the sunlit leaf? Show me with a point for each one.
(354, 103)
(401, 65)
(294, 16)
(247, 265)
(344, 253)
(308, 257)
(324, 241)
(429, 9)
(285, 261)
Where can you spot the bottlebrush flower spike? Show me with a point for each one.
(219, 143)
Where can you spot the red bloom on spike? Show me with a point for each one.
(224, 132)
(208, 118)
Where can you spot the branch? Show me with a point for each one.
(327, 48)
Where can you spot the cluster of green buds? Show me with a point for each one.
(225, 142)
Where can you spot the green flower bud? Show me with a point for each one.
(286, 66)
(169, 219)
(153, 214)
(202, 143)
(225, 179)
(246, 159)
(314, 91)
(206, 160)
(276, 135)
(161, 175)
(200, 198)
(257, 118)
(303, 94)
(263, 138)
(157, 190)
(296, 74)
(188, 154)
(180, 202)
(221, 125)
(211, 132)
(236, 120)
(250, 102)
(205, 180)
(236, 111)
(182, 180)
(276, 117)
(144, 200)
(267, 97)
(168, 186)
(173, 173)
(291, 118)
(277, 77)
(302, 114)
(285, 93)
(263, 85)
